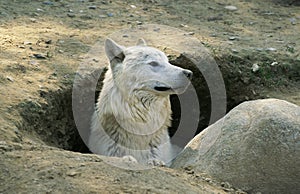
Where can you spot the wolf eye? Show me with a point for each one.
(154, 63)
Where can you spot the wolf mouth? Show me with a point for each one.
(162, 88)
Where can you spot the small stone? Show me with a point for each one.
(274, 63)
(271, 49)
(255, 67)
(71, 15)
(10, 78)
(190, 33)
(125, 36)
(215, 18)
(92, 7)
(293, 21)
(225, 185)
(231, 37)
(231, 8)
(39, 56)
(32, 20)
(86, 17)
(71, 173)
(133, 6)
(139, 22)
(102, 16)
(208, 180)
(48, 3)
(184, 25)
(27, 43)
(39, 10)
(110, 14)
(234, 50)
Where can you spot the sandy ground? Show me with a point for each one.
(43, 42)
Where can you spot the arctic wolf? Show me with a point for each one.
(133, 111)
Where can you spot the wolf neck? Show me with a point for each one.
(139, 114)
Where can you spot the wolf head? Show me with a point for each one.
(144, 68)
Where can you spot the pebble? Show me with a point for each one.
(184, 25)
(293, 21)
(208, 180)
(139, 22)
(190, 33)
(231, 37)
(133, 6)
(39, 10)
(271, 49)
(255, 67)
(27, 43)
(92, 7)
(39, 56)
(71, 173)
(10, 78)
(110, 14)
(48, 3)
(259, 49)
(71, 15)
(225, 185)
(234, 50)
(274, 63)
(32, 20)
(231, 8)
(215, 18)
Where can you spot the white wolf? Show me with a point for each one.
(133, 111)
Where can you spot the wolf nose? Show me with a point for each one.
(188, 73)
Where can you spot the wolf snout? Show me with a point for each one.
(188, 73)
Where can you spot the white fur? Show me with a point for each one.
(133, 112)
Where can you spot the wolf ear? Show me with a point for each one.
(114, 51)
(141, 42)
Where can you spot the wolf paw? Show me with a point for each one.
(156, 162)
(129, 158)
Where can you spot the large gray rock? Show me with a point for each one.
(255, 147)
